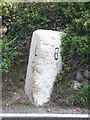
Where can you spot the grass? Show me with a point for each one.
(81, 97)
(71, 97)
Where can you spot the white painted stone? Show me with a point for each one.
(42, 66)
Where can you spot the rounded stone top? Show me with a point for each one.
(47, 36)
(48, 32)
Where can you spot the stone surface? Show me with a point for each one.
(87, 74)
(77, 85)
(43, 65)
(79, 76)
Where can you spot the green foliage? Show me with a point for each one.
(21, 19)
(66, 93)
(75, 51)
(62, 90)
(75, 46)
(81, 45)
(75, 41)
(6, 64)
(81, 97)
(8, 55)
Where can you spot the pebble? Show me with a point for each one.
(48, 110)
(15, 93)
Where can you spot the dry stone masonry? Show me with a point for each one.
(43, 65)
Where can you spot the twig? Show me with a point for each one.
(12, 41)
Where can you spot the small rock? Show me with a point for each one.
(9, 98)
(17, 98)
(15, 93)
(21, 92)
(7, 104)
(76, 85)
(87, 74)
(78, 109)
(48, 110)
(79, 76)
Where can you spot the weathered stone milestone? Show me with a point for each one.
(43, 65)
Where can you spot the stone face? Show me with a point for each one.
(43, 65)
